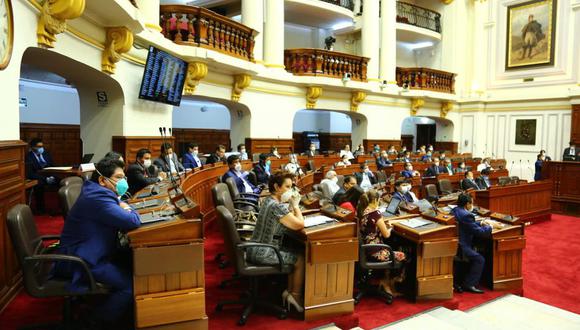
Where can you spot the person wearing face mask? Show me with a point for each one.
(468, 182)
(365, 178)
(218, 156)
(427, 157)
(571, 153)
(402, 152)
(143, 173)
(329, 185)
(35, 161)
(392, 150)
(191, 157)
(262, 169)
(407, 157)
(311, 152)
(435, 169)
(167, 161)
(279, 216)
(383, 161)
(360, 151)
(485, 164)
(242, 151)
(408, 172)
(538, 165)
(461, 168)
(449, 167)
(90, 232)
(468, 229)
(344, 162)
(430, 148)
(376, 148)
(422, 150)
(293, 167)
(483, 181)
(403, 191)
(240, 177)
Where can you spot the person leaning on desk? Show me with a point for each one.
(142, 172)
(468, 229)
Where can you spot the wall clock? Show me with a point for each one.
(6, 33)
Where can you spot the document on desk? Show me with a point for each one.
(316, 220)
(415, 223)
(62, 168)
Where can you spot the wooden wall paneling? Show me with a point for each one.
(328, 141)
(299, 146)
(208, 139)
(285, 146)
(11, 193)
(447, 146)
(384, 144)
(565, 177)
(62, 141)
(407, 141)
(129, 145)
(575, 125)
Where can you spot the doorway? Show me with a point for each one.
(426, 134)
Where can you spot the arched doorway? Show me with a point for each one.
(424, 130)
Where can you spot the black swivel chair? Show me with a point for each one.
(71, 180)
(253, 178)
(68, 195)
(445, 187)
(311, 166)
(431, 192)
(239, 196)
(255, 273)
(36, 261)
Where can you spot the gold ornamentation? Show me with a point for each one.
(312, 95)
(52, 20)
(196, 71)
(415, 105)
(119, 41)
(356, 98)
(447, 1)
(241, 81)
(445, 108)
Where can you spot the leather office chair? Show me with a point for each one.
(237, 195)
(36, 262)
(431, 192)
(445, 187)
(86, 175)
(340, 180)
(504, 180)
(253, 178)
(255, 273)
(71, 180)
(310, 165)
(515, 179)
(68, 195)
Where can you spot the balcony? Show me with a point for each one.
(201, 27)
(325, 63)
(418, 16)
(348, 4)
(426, 79)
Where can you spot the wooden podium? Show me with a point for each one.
(503, 258)
(168, 275)
(565, 177)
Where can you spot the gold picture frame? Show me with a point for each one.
(531, 32)
(5, 60)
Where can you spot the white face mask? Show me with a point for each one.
(312, 148)
(335, 179)
(286, 196)
(405, 189)
(243, 151)
(195, 152)
(238, 167)
(147, 162)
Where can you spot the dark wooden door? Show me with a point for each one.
(425, 134)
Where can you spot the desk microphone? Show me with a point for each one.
(530, 167)
(511, 168)
(521, 170)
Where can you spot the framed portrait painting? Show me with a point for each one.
(531, 30)
(526, 132)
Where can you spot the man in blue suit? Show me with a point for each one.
(35, 161)
(90, 232)
(538, 166)
(468, 229)
(240, 178)
(408, 172)
(190, 158)
(435, 169)
(383, 161)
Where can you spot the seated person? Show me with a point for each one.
(375, 229)
(240, 177)
(293, 167)
(217, 157)
(365, 178)
(376, 148)
(485, 164)
(427, 157)
(274, 152)
(483, 181)
(403, 191)
(35, 161)
(360, 151)
(407, 157)
(348, 183)
(435, 169)
(468, 182)
(403, 151)
(280, 214)
(408, 172)
(142, 173)
(538, 166)
(344, 162)
(468, 229)
(262, 169)
(422, 150)
(383, 161)
(90, 232)
(167, 161)
(191, 157)
(329, 185)
(392, 150)
(448, 166)
(346, 151)
(430, 148)
(242, 151)
(311, 152)
(442, 156)
(461, 168)
(571, 153)
(546, 157)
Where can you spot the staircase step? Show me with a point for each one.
(460, 319)
(421, 322)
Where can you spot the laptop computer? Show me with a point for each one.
(87, 158)
(391, 209)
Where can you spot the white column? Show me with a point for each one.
(253, 17)
(150, 11)
(370, 37)
(388, 62)
(274, 34)
(480, 49)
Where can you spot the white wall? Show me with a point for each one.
(322, 121)
(301, 36)
(190, 115)
(49, 103)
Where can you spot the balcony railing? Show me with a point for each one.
(325, 63)
(426, 79)
(348, 4)
(201, 27)
(418, 16)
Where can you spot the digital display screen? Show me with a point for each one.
(163, 78)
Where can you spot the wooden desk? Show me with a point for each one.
(434, 246)
(565, 177)
(61, 173)
(529, 201)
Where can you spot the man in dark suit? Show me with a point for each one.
(468, 229)
(218, 156)
(407, 157)
(408, 172)
(240, 178)
(167, 161)
(403, 191)
(538, 165)
(311, 152)
(461, 168)
(383, 161)
(142, 173)
(35, 161)
(365, 178)
(262, 169)
(468, 182)
(483, 181)
(349, 182)
(190, 157)
(571, 153)
(435, 169)
(448, 166)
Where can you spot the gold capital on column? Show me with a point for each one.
(52, 20)
(241, 82)
(312, 95)
(415, 105)
(445, 108)
(196, 71)
(119, 41)
(356, 98)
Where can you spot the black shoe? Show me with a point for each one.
(458, 288)
(472, 289)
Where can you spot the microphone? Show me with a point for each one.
(161, 131)
(521, 170)
(530, 168)
(170, 131)
(512, 166)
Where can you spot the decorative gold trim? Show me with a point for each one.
(119, 41)
(312, 95)
(6, 60)
(196, 71)
(241, 82)
(153, 26)
(52, 20)
(445, 108)
(415, 105)
(356, 98)
(447, 2)
(269, 65)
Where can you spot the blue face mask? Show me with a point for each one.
(40, 150)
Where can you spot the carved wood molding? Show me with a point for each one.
(119, 41)
(356, 98)
(416, 104)
(196, 71)
(312, 95)
(52, 20)
(445, 108)
(241, 82)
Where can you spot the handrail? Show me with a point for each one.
(418, 16)
(325, 63)
(426, 79)
(348, 4)
(201, 27)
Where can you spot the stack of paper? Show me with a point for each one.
(316, 220)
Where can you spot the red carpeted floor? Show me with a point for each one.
(551, 274)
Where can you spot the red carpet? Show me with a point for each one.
(551, 274)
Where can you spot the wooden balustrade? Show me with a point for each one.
(348, 4)
(418, 16)
(201, 27)
(325, 63)
(426, 79)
